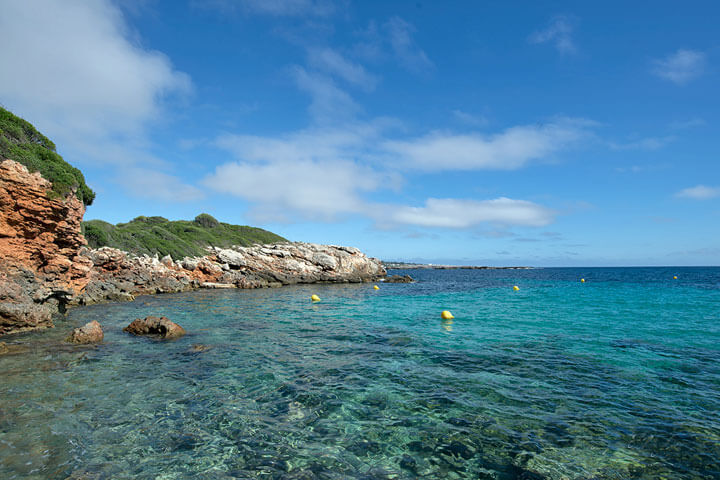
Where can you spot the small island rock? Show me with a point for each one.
(89, 333)
(161, 326)
(399, 279)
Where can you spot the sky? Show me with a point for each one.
(461, 132)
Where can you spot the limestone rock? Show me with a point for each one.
(161, 326)
(91, 332)
(399, 279)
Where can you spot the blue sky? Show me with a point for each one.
(501, 133)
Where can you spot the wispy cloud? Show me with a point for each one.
(648, 143)
(154, 185)
(332, 62)
(458, 213)
(403, 44)
(558, 33)
(699, 192)
(272, 7)
(470, 119)
(688, 124)
(329, 102)
(508, 150)
(680, 67)
(393, 39)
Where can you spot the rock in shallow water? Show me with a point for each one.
(398, 279)
(91, 332)
(161, 326)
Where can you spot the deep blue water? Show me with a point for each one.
(614, 378)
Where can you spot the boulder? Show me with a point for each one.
(91, 332)
(161, 326)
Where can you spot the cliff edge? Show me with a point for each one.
(40, 241)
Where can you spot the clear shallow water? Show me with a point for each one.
(618, 377)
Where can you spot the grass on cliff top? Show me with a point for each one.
(180, 238)
(20, 141)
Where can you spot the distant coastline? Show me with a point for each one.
(432, 266)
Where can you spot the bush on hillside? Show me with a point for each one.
(21, 142)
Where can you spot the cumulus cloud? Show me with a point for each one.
(317, 174)
(334, 63)
(680, 67)
(559, 33)
(72, 70)
(508, 150)
(699, 192)
(316, 190)
(455, 213)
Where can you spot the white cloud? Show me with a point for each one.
(334, 63)
(330, 103)
(508, 150)
(455, 213)
(321, 174)
(559, 33)
(699, 192)
(680, 67)
(281, 190)
(71, 69)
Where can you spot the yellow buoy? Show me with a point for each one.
(376, 287)
(446, 315)
(582, 280)
(675, 277)
(315, 298)
(516, 288)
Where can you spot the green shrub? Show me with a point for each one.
(206, 221)
(20, 141)
(180, 238)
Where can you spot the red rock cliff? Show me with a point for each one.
(40, 238)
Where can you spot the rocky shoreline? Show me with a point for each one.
(46, 267)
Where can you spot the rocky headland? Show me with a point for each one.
(46, 266)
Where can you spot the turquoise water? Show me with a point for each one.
(615, 378)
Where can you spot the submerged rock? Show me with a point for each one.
(91, 332)
(161, 326)
(398, 279)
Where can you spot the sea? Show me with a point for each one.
(616, 377)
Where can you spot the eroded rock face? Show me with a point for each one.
(40, 239)
(89, 333)
(160, 326)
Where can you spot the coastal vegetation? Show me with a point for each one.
(20, 141)
(179, 238)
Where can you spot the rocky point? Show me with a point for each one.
(46, 266)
